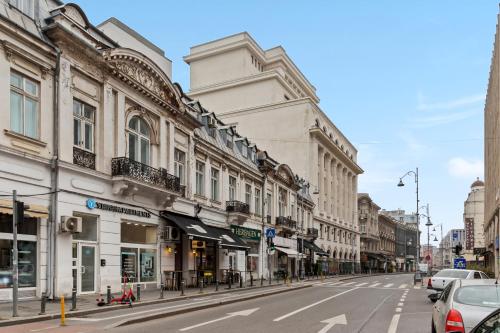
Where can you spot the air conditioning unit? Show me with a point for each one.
(71, 224)
(171, 234)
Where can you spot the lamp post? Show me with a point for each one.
(401, 184)
(428, 224)
(441, 250)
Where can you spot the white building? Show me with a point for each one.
(474, 247)
(271, 100)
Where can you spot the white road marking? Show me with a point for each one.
(400, 304)
(361, 284)
(332, 322)
(416, 287)
(313, 304)
(375, 284)
(244, 313)
(45, 328)
(334, 283)
(394, 324)
(388, 285)
(348, 283)
(402, 300)
(398, 309)
(402, 286)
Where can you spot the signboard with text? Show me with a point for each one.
(246, 233)
(469, 233)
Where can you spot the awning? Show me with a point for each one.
(315, 248)
(36, 211)
(195, 228)
(287, 251)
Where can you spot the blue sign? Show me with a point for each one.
(270, 233)
(455, 235)
(459, 263)
(90, 203)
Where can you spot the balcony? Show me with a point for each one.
(83, 158)
(237, 211)
(130, 177)
(313, 232)
(286, 222)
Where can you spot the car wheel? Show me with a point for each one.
(433, 327)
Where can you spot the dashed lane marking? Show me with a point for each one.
(375, 284)
(400, 304)
(398, 309)
(388, 285)
(361, 284)
(402, 286)
(393, 327)
(348, 283)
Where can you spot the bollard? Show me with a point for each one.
(298, 278)
(162, 288)
(230, 280)
(201, 286)
(251, 280)
(183, 283)
(288, 282)
(262, 280)
(108, 295)
(43, 303)
(62, 312)
(73, 299)
(241, 281)
(216, 285)
(138, 297)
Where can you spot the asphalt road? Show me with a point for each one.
(385, 304)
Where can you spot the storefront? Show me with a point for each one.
(252, 238)
(28, 245)
(286, 257)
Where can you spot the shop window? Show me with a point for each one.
(148, 265)
(24, 105)
(26, 264)
(89, 228)
(129, 264)
(28, 226)
(138, 233)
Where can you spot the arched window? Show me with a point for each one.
(139, 144)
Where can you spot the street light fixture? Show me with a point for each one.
(401, 184)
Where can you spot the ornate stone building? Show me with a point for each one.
(474, 248)
(369, 230)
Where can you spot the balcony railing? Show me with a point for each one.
(314, 232)
(286, 222)
(234, 206)
(83, 158)
(126, 167)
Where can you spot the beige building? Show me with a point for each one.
(271, 100)
(474, 223)
(491, 160)
(368, 227)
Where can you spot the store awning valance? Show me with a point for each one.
(315, 248)
(195, 228)
(36, 211)
(287, 251)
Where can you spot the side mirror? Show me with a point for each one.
(434, 297)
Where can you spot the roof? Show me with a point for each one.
(477, 183)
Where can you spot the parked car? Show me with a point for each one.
(441, 279)
(463, 304)
(490, 324)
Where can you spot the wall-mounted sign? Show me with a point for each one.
(195, 244)
(246, 233)
(92, 204)
(469, 233)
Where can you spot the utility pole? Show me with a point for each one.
(15, 271)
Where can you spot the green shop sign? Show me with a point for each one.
(246, 233)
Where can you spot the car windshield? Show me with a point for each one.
(453, 274)
(488, 296)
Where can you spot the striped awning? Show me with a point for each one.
(36, 211)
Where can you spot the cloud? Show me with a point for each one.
(422, 105)
(462, 168)
(442, 119)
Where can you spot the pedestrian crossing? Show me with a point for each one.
(371, 284)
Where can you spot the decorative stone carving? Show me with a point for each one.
(75, 15)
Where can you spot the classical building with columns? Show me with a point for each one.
(270, 99)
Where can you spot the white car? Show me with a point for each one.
(441, 279)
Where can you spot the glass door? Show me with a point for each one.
(87, 268)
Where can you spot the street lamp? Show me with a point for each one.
(428, 224)
(401, 184)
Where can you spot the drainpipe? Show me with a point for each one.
(263, 210)
(54, 184)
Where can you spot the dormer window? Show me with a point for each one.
(244, 151)
(229, 140)
(25, 6)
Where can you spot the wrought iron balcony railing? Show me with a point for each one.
(83, 158)
(314, 232)
(126, 167)
(286, 222)
(237, 207)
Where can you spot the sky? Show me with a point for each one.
(405, 81)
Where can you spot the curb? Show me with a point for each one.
(202, 307)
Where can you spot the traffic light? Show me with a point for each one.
(458, 248)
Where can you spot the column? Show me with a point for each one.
(120, 126)
(171, 147)
(333, 196)
(326, 182)
(338, 191)
(349, 197)
(321, 190)
(344, 194)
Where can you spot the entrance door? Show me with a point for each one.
(84, 268)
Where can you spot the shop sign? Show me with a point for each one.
(92, 204)
(246, 233)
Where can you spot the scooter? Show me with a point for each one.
(127, 296)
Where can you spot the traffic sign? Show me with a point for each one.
(270, 233)
(459, 263)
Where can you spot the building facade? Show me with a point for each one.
(406, 246)
(474, 247)
(265, 93)
(387, 245)
(369, 230)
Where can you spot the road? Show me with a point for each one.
(385, 304)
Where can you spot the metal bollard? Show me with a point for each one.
(216, 285)
(262, 280)
(73, 299)
(43, 304)
(63, 314)
(298, 278)
(251, 280)
(108, 295)
(138, 296)
(183, 284)
(201, 286)
(230, 280)
(162, 289)
(241, 281)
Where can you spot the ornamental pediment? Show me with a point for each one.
(144, 75)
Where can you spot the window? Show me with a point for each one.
(180, 165)
(282, 202)
(138, 233)
(200, 178)
(269, 204)
(229, 140)
(244, 150)
(24, 105)
(83, 125)
(257, 207)
(321, 230)
(138, 140)
(89, 228)
(212, 131)
(215, 184)
(232, 188)
(328, 232)
(26, 6)
(248, 194)
(27, 263)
